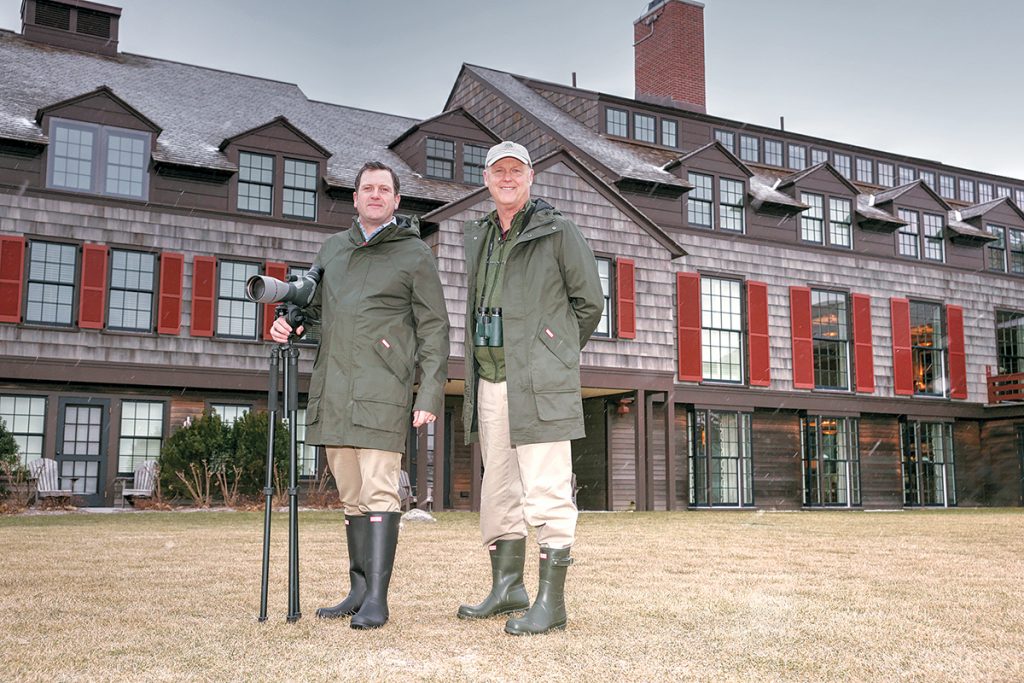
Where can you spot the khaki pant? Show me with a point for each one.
(367, 478)
(525, 485)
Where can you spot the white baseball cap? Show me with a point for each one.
(507, 149)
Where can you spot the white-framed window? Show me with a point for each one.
(230, 412)
(25, 417)
(830, 331)
(730, 205)
(818, 156)
(142, 433)
(842, 164)
(721, 329)
(700, 201)
(967, 190)
(907, 175)
(727, 138)
(644, 127)
(885, 174)
(865, 171)
(947, 187)
(606, 271)
(616, 122)
(908, 236)
(797, 157)
(986, 192)
(773, 152)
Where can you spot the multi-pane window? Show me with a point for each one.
(750, 148)
(812, 221)
(831, 337)
(934, 246)
(255, 182)
(928, 348)
(1002, 191)
(132, 276)
(797, 157)
(928, 471)
(727, 138)
(51, 283)
(818, 156)
(1019, 198)
(700, 200)
(440, 158)
(721, 460)
(86, 157)
(985, 192)
(929, 179)
(25, 417)
(1009, 343)
(669, 133)
(966, 190)
(773, 152)
(995, 252)
(142, 432)
(831, 460)
(839, 221)
(306, 453)
(473, 157)
(907, 175)
(643, 127)
(604, 270)
(947, 187)
(865, 171)
(236, 314)
(1016, 253)
(229, 413)
(721, 330)
(842, 164)
(908, 236)
(299, 192)
(730, 198)
(885, 174)
(617, 122)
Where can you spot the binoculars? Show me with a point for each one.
(488, 327)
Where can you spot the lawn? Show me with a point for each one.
(809, 596)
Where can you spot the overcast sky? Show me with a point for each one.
(938, 79)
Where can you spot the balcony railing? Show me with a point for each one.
(1004, 388)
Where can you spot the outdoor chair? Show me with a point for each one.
(143, 484)
(405, 499)
(44, 471)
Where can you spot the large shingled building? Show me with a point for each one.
(791, 321)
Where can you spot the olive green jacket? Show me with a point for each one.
(551, 303)
(381, 309)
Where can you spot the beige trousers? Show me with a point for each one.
(367, 478)
(525, 485)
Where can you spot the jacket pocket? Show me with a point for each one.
(555, 365)
(380, 403)
(559, 405)
(394, 359)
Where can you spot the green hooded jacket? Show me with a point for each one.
(381, 309)
(551, 303)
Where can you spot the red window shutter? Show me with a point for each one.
(12, 275)
(625, 292)
(863, 351)
(902, 358)
(957, 354)
(172, 272)
(688, 322)
(803, 341)
(204, 282)
(93, 299)
(279, 271)
(757, 330)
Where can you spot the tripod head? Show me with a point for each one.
(292, 314)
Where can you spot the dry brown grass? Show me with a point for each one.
(929, 596)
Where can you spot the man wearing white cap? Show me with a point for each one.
(534, 298)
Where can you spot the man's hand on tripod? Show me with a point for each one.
(280, 331)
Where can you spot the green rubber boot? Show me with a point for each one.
(508, 594)
(548, 610)
(381, 541)
(355, 534)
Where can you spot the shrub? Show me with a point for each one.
(250, 452)
(206, 440)
(12, 472)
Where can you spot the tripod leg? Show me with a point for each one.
(291, 400)
(268, 489)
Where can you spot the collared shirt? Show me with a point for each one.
(491, 359)
(367, 238)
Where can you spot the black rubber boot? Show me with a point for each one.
(508, 594)
(548, 610)
(355, 534)
(382, 539)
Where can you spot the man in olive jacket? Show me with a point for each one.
(381, 309)
(534, 298)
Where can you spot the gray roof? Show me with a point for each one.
(867, 210)
(762, 189)
(976, 210)
(198, 108)
(624, 159)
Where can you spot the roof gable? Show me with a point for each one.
(102, 94)
(281, 124)
(1003, 208)
(714, 152)
(916, 188)
(447, 120)
(822, 169)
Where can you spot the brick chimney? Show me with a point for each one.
(76, 24)
(668, 49)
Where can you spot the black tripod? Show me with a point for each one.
(284, 359)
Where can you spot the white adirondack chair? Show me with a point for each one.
(143, 484)
(44, 471)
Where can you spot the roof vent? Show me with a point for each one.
(74, 24)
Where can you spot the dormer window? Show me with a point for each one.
(85, 157)
(257, 176)
(473, 157)
(255, 182)
(440, 158)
